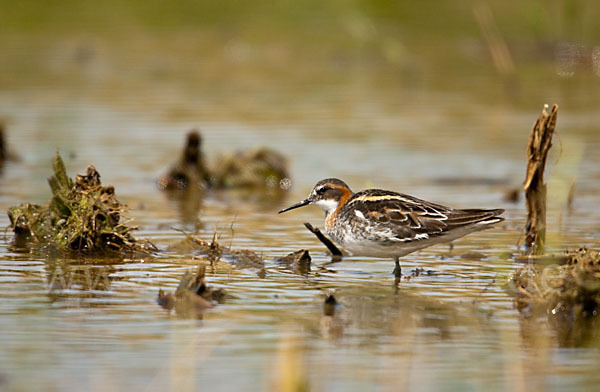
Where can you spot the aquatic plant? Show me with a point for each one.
(82, 215)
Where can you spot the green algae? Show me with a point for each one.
(82, 215)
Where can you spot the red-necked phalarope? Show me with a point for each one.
(380, 223)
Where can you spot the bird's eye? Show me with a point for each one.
(321, 190)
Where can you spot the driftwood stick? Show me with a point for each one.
(540, 141)
(337, 254)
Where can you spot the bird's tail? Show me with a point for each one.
(475, 217)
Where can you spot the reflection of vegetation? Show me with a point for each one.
(396, 315)
(568, 294)
(77, 278)
(193, 296)
(572, 288)
(65, 275)
(81, 216)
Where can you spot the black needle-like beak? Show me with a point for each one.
(301, 204)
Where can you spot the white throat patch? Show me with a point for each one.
(327, 205)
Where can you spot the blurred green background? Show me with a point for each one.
(238, 55)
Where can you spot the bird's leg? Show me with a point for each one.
(397, 269)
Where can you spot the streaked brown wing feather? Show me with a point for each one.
(409, 218)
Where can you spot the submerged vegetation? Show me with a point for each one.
(82, 215)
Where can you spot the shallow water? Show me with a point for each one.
(453, 328)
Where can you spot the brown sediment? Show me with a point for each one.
(193, 296)
(81, 216)
(540, 141)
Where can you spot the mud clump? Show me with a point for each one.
(82, 216)
(569, 291)
(299, 261)
(261, 168)
(193, 296)
(258, 169)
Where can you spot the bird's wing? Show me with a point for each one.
(408, 218)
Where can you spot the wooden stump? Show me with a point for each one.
(540, 141)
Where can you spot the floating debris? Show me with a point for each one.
(261, 168)
(189, 172)
(239, 258)
(420, 271)
(192, 296)
(298, 261)
(81, 216)
(568, 291)
(244, 258)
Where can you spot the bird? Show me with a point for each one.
(386, 224)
